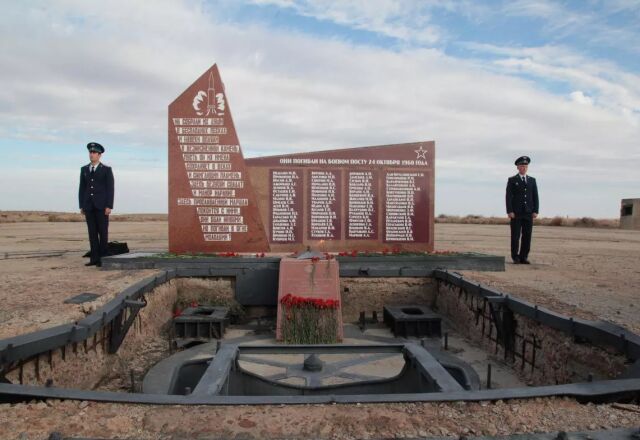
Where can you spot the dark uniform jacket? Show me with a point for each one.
(522, 199)
(96, 190)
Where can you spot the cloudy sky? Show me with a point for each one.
(488, 81)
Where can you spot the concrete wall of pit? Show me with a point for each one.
(88, 365)
(371, 294)
(557, 358)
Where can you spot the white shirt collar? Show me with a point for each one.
(92, 165)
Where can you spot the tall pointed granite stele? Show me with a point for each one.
(212, 205)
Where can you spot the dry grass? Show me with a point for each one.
(46, 216)
(585, 222)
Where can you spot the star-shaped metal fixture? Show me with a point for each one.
(422, 154)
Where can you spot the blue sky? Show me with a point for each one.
(488, 81)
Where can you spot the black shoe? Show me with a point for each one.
(523, 261)
(99, 263)
(516, 261)
(92, 263)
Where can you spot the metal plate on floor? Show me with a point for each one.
(82, 298)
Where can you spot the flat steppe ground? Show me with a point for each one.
(592, 273)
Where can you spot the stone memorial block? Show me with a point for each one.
(212, 206)
(367, 198)
(307, 278)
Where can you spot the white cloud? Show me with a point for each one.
(581, 98)
(595, 23)
(406, 20)
(614, 88)
(79, 70)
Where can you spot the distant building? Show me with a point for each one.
(630, 214)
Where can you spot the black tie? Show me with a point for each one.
(93, 169)
(524, 180)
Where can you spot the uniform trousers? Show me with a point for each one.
(98, 225)
(521, 230)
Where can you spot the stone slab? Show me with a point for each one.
(309, 279)
(212, 205)
(373, 266)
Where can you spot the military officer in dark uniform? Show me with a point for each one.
(522, 208)
(95, 197)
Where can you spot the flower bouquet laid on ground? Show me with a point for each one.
(309, 320)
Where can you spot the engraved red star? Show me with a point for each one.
(422, 154)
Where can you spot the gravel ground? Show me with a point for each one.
(591, 273)
(86, 419)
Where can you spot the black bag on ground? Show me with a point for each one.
(113, 248)
(117, 248)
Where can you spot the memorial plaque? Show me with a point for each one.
(324, 205)
(405, 193)
(368, 198)
(212, 205)
(286, 206)
(362, 216)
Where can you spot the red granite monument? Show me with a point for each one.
(364, 199)
(212, 205)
